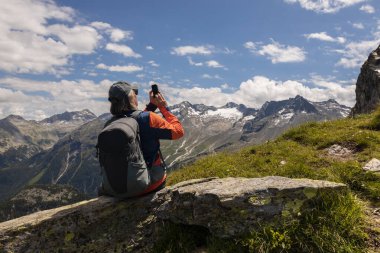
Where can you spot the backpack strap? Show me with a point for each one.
(135, 115)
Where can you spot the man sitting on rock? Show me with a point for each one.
(130, 132)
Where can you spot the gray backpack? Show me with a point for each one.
(124, 171)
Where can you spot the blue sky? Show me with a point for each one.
(64, 54)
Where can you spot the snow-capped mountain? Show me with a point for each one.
(207, 129)
(70, 117)
(229, 111)
(275, 117)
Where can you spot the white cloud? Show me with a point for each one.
(355, 53)
(256, 91)
(250, 46)
(277, 52)
(78, 39)
(149, 48)
(358, 26)
(118, 68)
(34, 40)
(122, 49)
(153, 64)
(325, 37)
(368, 8)
(16, 98)
(186, 50)
(101, 25)
(192, 63)
(214, 64)
(210, 64)
(225, 86)
(67, 95)
(324, 6)
(115, 34)
(207, 76)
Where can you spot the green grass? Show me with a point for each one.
(301, 153)
(333, 223)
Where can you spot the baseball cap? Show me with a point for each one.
(121, 89)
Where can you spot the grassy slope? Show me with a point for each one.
(303, 150)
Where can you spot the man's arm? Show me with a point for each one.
(168, 128)
(150, 107)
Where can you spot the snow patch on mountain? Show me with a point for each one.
(229, 113)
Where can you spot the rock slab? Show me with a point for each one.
(227, 207)
(231, 207)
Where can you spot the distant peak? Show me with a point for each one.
(332, 101)
(230, 105)
(299, 97)
(84, 115)
(185, 103)
(14, 117)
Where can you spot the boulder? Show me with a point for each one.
(373, 165)
(231, 207)
(228, 208)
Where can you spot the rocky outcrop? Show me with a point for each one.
(228, 208)
(37, 198)
(368, 85)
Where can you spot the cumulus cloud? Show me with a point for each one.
(78, 39)
(118, 68)
(368, 9)
(122, 49)
(115, 34)
(23, 97)
(324, 6)
(256, 91)
(355, 53)
(149, 48)
(325, 37)
(15, 94)
(35, 40)
(188, 50)
(277, 52)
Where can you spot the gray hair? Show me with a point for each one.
(119, 107)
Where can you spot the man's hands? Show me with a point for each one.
(157, 100)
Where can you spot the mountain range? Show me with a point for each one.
(61, 149)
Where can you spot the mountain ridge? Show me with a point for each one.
(208, 129)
